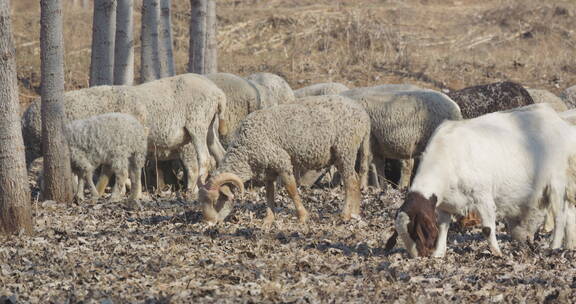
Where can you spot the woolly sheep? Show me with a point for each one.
(176, 111)
(327, 88)
(115, 140)
(279, 89)
(315, 133)
(509, 164)
(242, 98)
(544, 96)
(482, 99)
(569, 97)
(402, 122)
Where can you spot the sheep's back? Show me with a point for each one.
(482, 99)
(403, 121)
(308, 131)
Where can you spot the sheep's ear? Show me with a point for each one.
(434, 200)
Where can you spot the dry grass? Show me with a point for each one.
(161, 253)
(437, 44)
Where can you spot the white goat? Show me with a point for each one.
(511, 164)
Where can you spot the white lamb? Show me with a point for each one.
(509, 164)
(113, 139)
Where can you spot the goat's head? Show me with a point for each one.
(416, 224)
(209, 196)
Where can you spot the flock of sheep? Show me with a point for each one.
(484, 149)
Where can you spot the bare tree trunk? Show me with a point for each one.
(166, 46)
(124, 45)
(103, 31)
(15, 211)
(150, 61)
(85, 3)
(203, 46)
(57, 181)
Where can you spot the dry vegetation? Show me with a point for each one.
(159, 252)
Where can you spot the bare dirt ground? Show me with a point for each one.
(160, 252)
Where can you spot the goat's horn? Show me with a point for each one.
(225, 178)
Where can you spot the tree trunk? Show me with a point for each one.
(103, 31)
(166, 46)
(15, 211)
(203, 46)
(150, 62)
(124, 45)
(85, 3)
(57, 181)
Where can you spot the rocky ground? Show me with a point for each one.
(160, 252)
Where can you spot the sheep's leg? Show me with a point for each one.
(135, 177)
(214, 144)
(364, 158)
(270, 195)
(405, 173)
(373, 176)
(121, 176)
(444, 220)
(487, 212)
(352, 188)
(380, 168)
(88, 178)
(80, 189)
(190, 162)
(104, 179)
(290, 184)
(199, 139)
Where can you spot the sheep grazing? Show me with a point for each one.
(402, 122)
(279, 89)
(479, 100)
(544, 96)
(115, 140)
(511, 164)
(176, 110)
(327, 88)
(242, 98)
(569, 97)
(315, 133)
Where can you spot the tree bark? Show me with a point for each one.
(150, 61)
(15, 211)
(166, 44)
(103, 32)
(57, 181)
(202, 54)
(124, 45)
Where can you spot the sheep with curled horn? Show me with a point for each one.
(274, 142)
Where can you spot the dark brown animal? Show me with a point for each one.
(422, 227)
(483, 99)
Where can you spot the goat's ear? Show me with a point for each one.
(434, 200)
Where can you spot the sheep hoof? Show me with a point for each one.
(302, 216)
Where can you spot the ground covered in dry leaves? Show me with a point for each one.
(160, 252)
